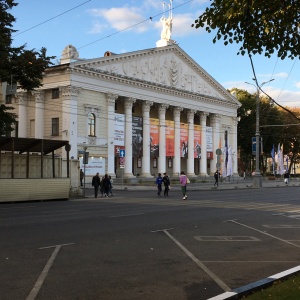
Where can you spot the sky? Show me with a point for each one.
(96, 26)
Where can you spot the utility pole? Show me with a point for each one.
(257, 182)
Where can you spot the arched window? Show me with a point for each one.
(91, 124)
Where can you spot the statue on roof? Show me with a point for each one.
(167, 24)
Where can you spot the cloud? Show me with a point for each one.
(119, 19)
(298, 84)
(134, 19)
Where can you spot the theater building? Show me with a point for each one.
(136, 114)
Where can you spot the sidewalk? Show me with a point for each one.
(209, 185)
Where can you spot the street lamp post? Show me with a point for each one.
(257, 183)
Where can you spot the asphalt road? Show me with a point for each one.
(140, 246)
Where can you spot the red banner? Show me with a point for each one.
(170, 138)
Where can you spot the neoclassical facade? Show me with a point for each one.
(136, 114)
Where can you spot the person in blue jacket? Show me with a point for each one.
(159, 182)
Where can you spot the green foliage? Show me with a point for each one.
(25, 66)
(260, 26)
(269, 115)
(17, 65)
(7, 119)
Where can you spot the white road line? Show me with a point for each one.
(43, 275)
(217, 280)
(59, 212)
(45, 272)
(265, 233)
(129, 215)
(16, 207)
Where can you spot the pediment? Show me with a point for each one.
(169, 66)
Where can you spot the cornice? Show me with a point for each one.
(160, 88)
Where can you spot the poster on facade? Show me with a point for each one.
(95, 165)
(137, 136)
(154, 137)
(119, 132)
(197, 141)
(170, 132)
(209, 139)
(184, 140)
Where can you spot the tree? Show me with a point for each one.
(291, 137)
(269, 114)
(6, 119)
(18, 65)
(261, 26)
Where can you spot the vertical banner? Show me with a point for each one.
(137, 136)
(184, 140)
(209, 139)
(119, 132)
(197, 141)
(170, 138)
(154, 137)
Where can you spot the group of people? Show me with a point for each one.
(183, 179)
(104, 183)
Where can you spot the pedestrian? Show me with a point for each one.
(106, 185)
(159, 182)
(216, 176)
(286, 177)
(96, 184)
(111, 185)
(183, 181)
(101, 187)
(81, 177)
(166, 181)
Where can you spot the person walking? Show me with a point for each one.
(159, 182)
(81, 177)
(106, 185)
(166, 181)
(286, 177)
(96, 184)
(183, 181)
(111, 185)
(216, 176)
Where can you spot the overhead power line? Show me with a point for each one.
(51, 18)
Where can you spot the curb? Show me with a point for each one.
(255, 286)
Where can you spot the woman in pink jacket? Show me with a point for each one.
(183, 181)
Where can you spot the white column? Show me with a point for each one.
(111, 99)
(176, 159)
(39, 113)
(69, 127)
(162, 138)
(128, 137)
(22, 118)
(190, 160)
(234, 146)
(215, 119)
(203, 160)
(146, 139)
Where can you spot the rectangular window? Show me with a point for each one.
(32, 128)
(8, 99)
(55, 126)
(17, 129)
(55, 93)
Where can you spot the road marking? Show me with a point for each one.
(59, 212)
(129, 215)
(54, 246)
(281, 226)
(265, 233)
(32, 295)
(216, 279)
(226, 239)
(16, 207)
